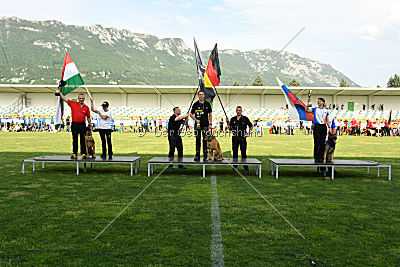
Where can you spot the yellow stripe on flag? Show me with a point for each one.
(207, 82)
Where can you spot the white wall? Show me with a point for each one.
(41, 99)
(358, 101)
(274, 101)
(389, 102)
(7, 98)
(142, 100)
(183, 100)
(179, 100)
(114, 99)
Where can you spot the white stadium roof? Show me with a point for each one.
(178, 89)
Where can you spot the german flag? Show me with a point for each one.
(213, 71)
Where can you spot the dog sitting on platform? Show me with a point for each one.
(330, 146)
(89, 143)
(329, 153)
(213, 148)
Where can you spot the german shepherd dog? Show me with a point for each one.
(330, 146)
(329, 153)
(89, 142)
(213, 148)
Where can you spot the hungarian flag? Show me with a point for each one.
(212, 74)
(73, 80)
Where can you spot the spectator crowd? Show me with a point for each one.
(139, 124)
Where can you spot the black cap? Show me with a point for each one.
(105, 104)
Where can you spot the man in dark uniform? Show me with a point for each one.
(202, 113)
(174, 137)
(238, 125)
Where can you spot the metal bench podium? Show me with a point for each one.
(274, 164)
(152, 163)
(67, 159)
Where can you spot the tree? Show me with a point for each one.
(294, 83)
(394, 81)
(343, 83)
(258, 81)
(378, 86)
(235, 84)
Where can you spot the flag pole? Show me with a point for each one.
(90, 96)
(194, 97)
(220, 102)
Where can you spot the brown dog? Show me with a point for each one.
(89, 142)
(213, 148)
(329, 153)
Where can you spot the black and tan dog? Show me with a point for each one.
(330, 148)
(213, 148)
(89, 143)
(329, 153)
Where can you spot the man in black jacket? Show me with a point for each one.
(174, 137)
(238, 125)
(202, 113)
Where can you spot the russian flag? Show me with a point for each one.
(297, 109)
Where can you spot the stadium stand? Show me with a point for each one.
(165, 112)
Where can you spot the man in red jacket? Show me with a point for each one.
(80, 112)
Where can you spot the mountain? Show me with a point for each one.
(32, 52)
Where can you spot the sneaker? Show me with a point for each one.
(197, 158)
(170, 167)
(84, 156)
(182, 167)
(110, 157)
(205, 159)
(74, 156)
(103, 156)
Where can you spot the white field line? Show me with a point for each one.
(217, 248)
(272, 206)
(133, 200)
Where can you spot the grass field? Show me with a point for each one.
(51, 216)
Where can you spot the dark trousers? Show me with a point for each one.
(175, 141)
(78, 128)
(105, 134)
(319, 134)
(198, 134)
(238, 141)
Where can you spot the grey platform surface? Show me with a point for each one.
(273, 165)
(67, 159)
(190, 161)
(62, 158)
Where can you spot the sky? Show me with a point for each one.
(360, 38)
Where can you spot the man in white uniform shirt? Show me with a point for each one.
(104, 127)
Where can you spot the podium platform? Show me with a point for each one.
(67, 159)
(152, 163)
(274, 164)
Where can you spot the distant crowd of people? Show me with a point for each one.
(374, 127)
(342, 107)
(27, 124)
(138, 124)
